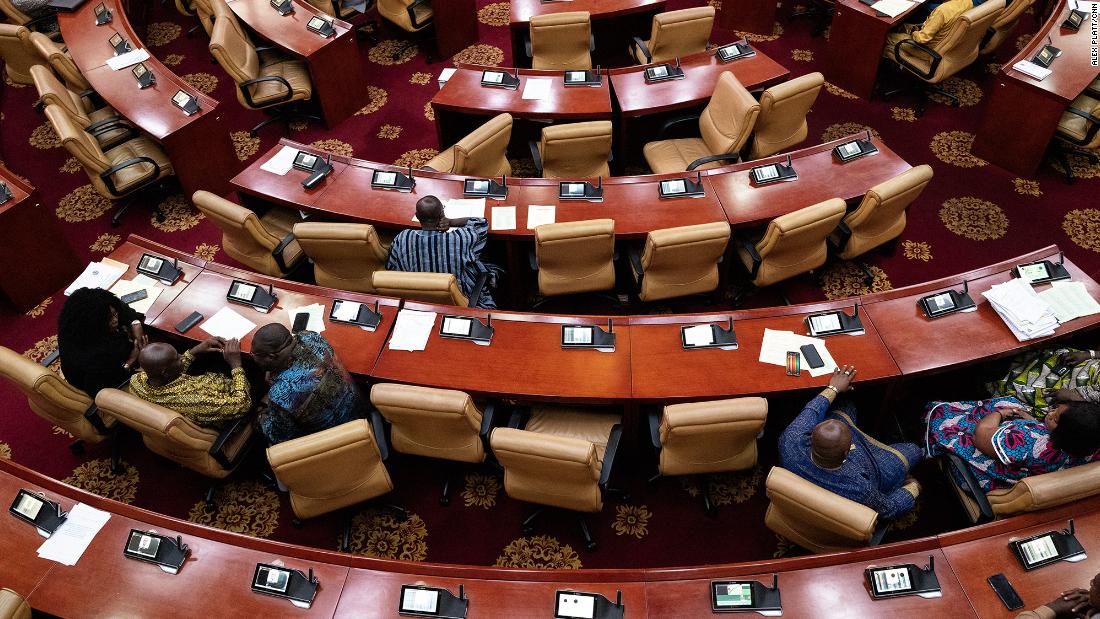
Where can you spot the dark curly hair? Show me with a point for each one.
(1078, 430)
(86, 315)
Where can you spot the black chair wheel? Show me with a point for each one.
(591, 545)
(297, 524)
(444, 501)
(528, 530)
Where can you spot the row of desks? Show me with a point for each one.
(215, 579)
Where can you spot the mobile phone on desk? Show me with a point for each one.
(1006, 592)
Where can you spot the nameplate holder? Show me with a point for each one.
(708, 336)
(102, 14)
(485, 188)
(581, 190)
(167, 552)
(835, 322)
(35, 509)
(734, 51)
(1074, 20)
(663, 72)
(321, 26)
(284, 8)
(185, 102)
(144, 77)
(580, 605)
(588, 336)
(1047, 548)
(1042, 271)
(287, 583)
(682, 187)
(253, 295)
(383, 179)
(119, 44)
(500, 79)
(424, 601)
(467, 328)
(908, 579)
(773, 173)
(1046, 55)
(740, 596)
(355, 313)
(5, 192)
(947, 302)
(588, 78)
(855, 149)
(160, 268)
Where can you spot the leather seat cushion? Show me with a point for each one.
(295, 72)
(131, 176)
(110, 137)
(574, 423)
(1074, 126)
(675, 155)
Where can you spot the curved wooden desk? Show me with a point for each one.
(151, 109)
(614, 23)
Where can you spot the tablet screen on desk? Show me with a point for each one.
(100, 9)
(143, 544)
(851, 149)
(1045, 56)
(271, 579)
(28, 506)
(660, 71)
(732, 594)
(453, 325)
(115, 40)
(941, 303)
(575, 76)
(572, 189)
(1038, 550)
(150, 264)
(493, 77)
(575, 605)
(766, 173)
(577, 335)
(699, 335)
(1033, 271)
(825, 323)
(181, 98)
(425, 601)
(242, 291)
(673, 187)
(477, 186)
(316, 23)
(891, 580)
(385, 178)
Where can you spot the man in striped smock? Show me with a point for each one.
(444, 246)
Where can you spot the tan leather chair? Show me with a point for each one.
(953, 53)
(792, 244)
(331, 469)
(481, 153)
(204, 11)
(1078, 132)
(783, 109)
(675, 34)
(682, 261)
(261, 83)
(707, 437)
(560, 41)
(17, 17)
(575, 257)
(440, 288)
(1005, 25)
(345, 256)
(574, 150)
(724, 127)
(561, 458)
(13, 606)
(171, 435)
(413, 16)
(816, 519)
(18, 55)
(105, 124)
(434, 423)
(880, 217)
(54, 399)
(264, 244)
(55, 55)
(1030, 494)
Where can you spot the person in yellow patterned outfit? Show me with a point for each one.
(932, 30)
(210, 399)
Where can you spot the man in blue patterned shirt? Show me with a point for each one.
(444, 245)
(310, 390)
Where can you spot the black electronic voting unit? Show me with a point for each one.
(167, 552)
(1047, 548)
(285, 582)
(35, 509)
(254, 295)
(907, 579)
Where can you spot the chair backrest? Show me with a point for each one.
(795, 243)
(711, 437)
(77, 141)
(14, 15)
(548, 469)
(56, 56)
(52, 92)
(441, 288)
(880, 217)
(561, 41)
(959, 47)
(682, 261)
(16, 50)
(575, 256)
(331, 469)
(484, 151)
(437, 423)
(397, 11)
(783, 109)
(1048, 490)
(345, 256)
(813, 517)
(204, 10)
(49, 395)
(13, 606)
(1005, 24)
(244, 236)
(728, 119)
(679, 33)
(232, 49)
(576, 150)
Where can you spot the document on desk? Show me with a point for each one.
(124, 287)
(457, 208)
(892, 8)
(97, 275)
(281, 162)
(504, 218)
(445, 75)
(72, 538)
(538, 214)
(1023, 311)
(316, 313)
(776, 345)
(117, 63)
(536, 88)
(1031, 69)
(1070, 300)
(411, 330)
(228, 324)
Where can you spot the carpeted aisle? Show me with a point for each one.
(971, 214)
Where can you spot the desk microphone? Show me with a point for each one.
(311, 578)
(411, 178)
(775, 581)
(931, 567)
(599, 182)
(618, 597)
(677, 62)
(503, 180)
(271, 291)
(789, 162)
(461, 592)
(729, 324)
(610, 326)
(699, 177)
(489, 321)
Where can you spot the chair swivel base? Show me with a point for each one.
(1061, 154)
(923, 89)
(284, 116)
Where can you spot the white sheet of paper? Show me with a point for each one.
(464, 207)
(281, 162)
(72, 538)
(411, 330)
(445, 75)
(893, 8)
(124, 287)
(776, 345)
(316, 313)
(228, 324)
(538, 214)
(1070, 300)
(504, 218)
(1032, 70)
(536, 88)
(145, 280)
(97, 275)
(117, 63)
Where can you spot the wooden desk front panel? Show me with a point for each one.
(854, 52)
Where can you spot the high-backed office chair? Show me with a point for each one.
(560, 41)
(344, 256)
(575, 257)
(817, 519)
(58, 58)
(561, 458)
(1030, 494)
(1077, 132)
(1005, 25)
(440, 288)
(412, 16)
(792, 244)
(483, 152)
(724, 127)
(265, 244)
(13, 606)
(204, 12)
(18, 55)
(105, 124)
(55, 400)
(118, 172)
(207, 451)
(678, 262)
(953, 53)
(783, 109)
(675, 34)
(573, 150)
(273, 83)
(435, 423)
(707, 437)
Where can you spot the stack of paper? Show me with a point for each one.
(117, 63)
(892, 8)
(1026, 314)
(776, 345)
(1070, 300)
(281, 162)
(411, 330)
(228, 324)
(97, 275)
(124, 287)
(459, 208)
(1031, 69)
(72, 538)
(316, 314)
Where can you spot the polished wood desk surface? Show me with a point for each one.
(130, 253)
(87, 42)
(1072, 71)
(463, 93)
(522, 11)
(821, 176)
(18, 186)
(921, 345)
(701, 73)
(288, 32)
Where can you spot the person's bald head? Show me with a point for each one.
(271, 346)
(429, 211)
(161, 363)
(830, 442)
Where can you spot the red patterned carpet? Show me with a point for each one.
(971, 214)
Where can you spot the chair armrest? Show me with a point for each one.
(106, 175)
(263, 49)
(634, 255)
(641, 46)
(845, 234)
(1093, 126)
(527, 47)
(609, 454)
(487, 417)
(756, 259)
(277, 253)
(532, 259)
(667, 126)
(217, 450)
(654, 419)
(935, 58)
(270, 78)
(591, 42)
(111, 124)
(881, 527)
(972, 487)
(93, 96)
(724, 157)
(94, 418)
(479, 288)
(378, 426)
(411, 9)
(536, 155)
